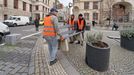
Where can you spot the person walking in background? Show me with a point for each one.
(50, 34)
(115, 26)
(93, 23)
(81, 23)
(36, 22)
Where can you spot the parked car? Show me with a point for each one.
(4, 30)
(17, 20)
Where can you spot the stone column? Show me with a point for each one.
(132, 15)
(1, 18)
(1, 11)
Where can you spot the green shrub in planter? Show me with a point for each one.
(97, 52)
(128, 33)
(93, 38)
(127, 39)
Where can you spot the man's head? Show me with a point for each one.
(54, 11)
(72, 16)
(80, 16)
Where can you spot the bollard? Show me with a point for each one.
(12, 39)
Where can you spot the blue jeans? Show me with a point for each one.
(53, 47)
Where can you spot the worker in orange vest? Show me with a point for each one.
(81, 23)
(50, 34)
(71, 22)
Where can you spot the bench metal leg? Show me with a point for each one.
(67, 46)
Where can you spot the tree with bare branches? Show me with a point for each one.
(108, 7)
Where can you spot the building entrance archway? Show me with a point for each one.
(122, 12)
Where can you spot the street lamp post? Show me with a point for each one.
(70, 5)
(56, 3)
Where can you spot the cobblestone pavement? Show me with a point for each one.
(15, 60)
(39, 59)
(30, 57)
(121, 60)
(42, 61)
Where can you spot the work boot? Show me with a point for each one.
(71, 42)
(81, 44)
(78, 42)
(53, 62)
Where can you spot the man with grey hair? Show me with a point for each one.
(50, 34)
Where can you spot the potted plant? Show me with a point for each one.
(127, 39)
(97, 52)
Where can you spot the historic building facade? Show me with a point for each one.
(40, 8)
(100, 10)
(14, 7)
(121, 10)
(30, 8)
(89, 8)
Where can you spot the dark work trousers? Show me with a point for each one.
(80, 38)
(72, 39)
(59, 44)
(37, 28)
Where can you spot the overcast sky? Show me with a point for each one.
(65, 2)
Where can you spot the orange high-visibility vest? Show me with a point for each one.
(71, 23)
(49, 29)
(80, 24)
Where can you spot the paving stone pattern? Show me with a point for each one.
(121, 60)
(40, 61)
(15, 60)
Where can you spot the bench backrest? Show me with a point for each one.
(66, 31)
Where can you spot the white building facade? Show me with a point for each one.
(30, 8)
(14, 7)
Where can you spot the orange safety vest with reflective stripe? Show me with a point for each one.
(80, 24)
(72, 24)
(49, 29)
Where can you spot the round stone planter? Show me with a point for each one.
(127, 43)
(97, 58)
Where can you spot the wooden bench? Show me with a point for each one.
(67, 32)
(116, 38)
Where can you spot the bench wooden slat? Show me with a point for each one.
(68, 36)
(66, 32)
(65, 26)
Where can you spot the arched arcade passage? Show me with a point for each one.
(122, 12)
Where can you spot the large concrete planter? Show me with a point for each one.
(97, 58)
(127, 43)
